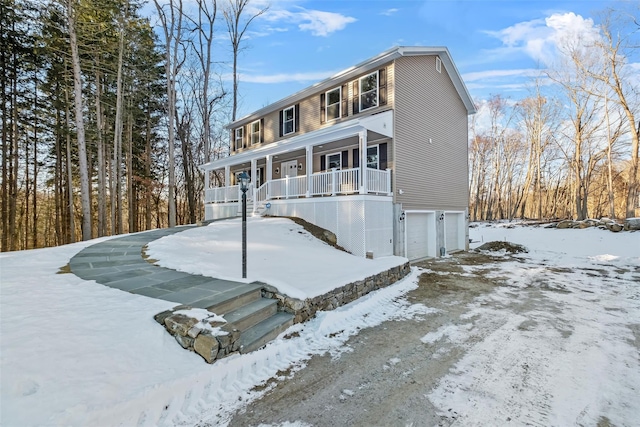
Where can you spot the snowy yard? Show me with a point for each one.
(555, 344)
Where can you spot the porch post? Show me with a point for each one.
(309, 168)
(207, 179)
(363, 162)
(227, 181)
(254, 175)
(269, 174)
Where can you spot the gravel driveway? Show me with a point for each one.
(508, 341)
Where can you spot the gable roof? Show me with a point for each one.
(363, 67)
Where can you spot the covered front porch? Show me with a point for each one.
(350, 158)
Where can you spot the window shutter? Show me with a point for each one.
(232, 141)
(356, 157)
(344, 162)
(345, 100)
(382, 152)
(322, 108)
(261, 131)
(382, 75)
(296, 123)
(280, 133)
(245, 135)
(356, 98)
(323, 162)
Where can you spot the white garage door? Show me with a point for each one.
(454, 231)
(420, 234)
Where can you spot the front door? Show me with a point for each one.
(290, 169)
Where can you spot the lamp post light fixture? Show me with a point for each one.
(244, 186)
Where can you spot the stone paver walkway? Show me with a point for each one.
(118, 263)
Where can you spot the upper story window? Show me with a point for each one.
(368, 91)
(255, 131)
(333, 99)
(290, 120)
(238, 137)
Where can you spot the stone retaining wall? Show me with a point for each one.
(305, 309)
(194, 334)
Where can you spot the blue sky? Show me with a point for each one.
(497, 45)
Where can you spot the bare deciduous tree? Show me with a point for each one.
(237, 24)
(171, 17)
(85, 195)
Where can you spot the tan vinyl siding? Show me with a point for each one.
(309, 120)
(431, 175)
(271, 127)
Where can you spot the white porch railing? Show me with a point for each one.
(287, 187)
(378, 181)
(330, 183)
(334, 182)
(222, 194)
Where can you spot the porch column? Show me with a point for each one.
(363, 162)
(309, 169)
(254, 175)
(207, 179)
(227, 181)
(269, 173)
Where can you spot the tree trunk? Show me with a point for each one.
(102, 175)
(70, 206)
(117, 135)
(79, 111)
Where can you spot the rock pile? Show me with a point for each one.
(512, 248)
(630, 224)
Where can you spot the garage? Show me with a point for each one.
(420, 234)
(454, 231)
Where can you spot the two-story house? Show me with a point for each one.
(377, 154)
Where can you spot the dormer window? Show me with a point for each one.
(369, 91)
(333, 99)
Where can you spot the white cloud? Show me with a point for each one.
(540, 39)
(318, 22)
(492, 74)
(389, 12)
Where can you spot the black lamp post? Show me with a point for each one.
(244, 185)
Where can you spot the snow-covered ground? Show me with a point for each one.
(279, 253)
(73, 352)
(567, 348)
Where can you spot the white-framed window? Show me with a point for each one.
(438, 64)
(288, 120)
(239, 134)
(373, 157)
(334, 161)
(369, 91)
(333, 99)
(254, 130)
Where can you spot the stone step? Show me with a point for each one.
(253, 313)
(260, 334)
(230, 300)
